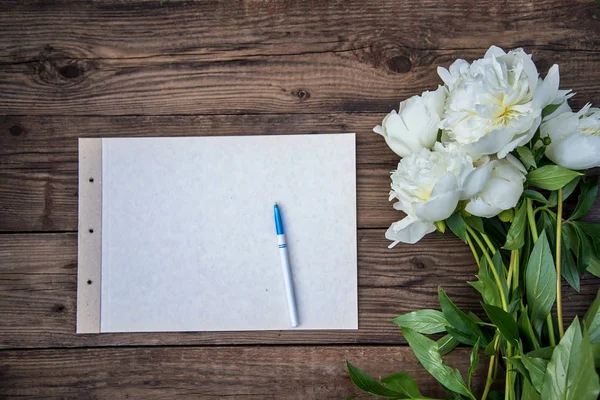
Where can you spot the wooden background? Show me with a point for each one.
(72, 69)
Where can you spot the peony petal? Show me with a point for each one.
(443, 200)
(445, 75)
(475, 181)
(480, 208)
(379, 129)
(408, 230)
(520, 140)
(575, 152)
(397, 136)
(501, 193)
(516, 163)
(547, 90)
(502, 140)
(494, 51)
(435, 101)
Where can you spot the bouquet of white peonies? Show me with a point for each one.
(492, 154)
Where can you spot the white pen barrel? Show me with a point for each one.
(287, 277)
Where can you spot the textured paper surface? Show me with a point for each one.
(188, 241)
(89, 249)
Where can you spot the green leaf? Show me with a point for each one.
(569, 267)
(366, 383)
(517, 365)
(462, 337)
(529, 392)
(570, 237)
(423, 321)
(545, 353)
(587, 258)
(460, 321)
(474, 362)
(587, 197)
(515, 239)
(458, 226)
(596, 353)
(526, 330)
(593, 230)
(570, 188)
(592, 320)
(535, 195)
(504, 322)
(551, 177)
(549, 109)
(526, 157)
(540, 282)
(537, 370)
(475, 223)
(402, 383)
(570, 373)
(487, 287)
(446, 344)
(494, 395)
(428, 354)
(490, 348)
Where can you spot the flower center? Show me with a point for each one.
(589, 126)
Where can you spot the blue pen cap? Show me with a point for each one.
(278, 220)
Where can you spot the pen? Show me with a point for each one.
(285, 264)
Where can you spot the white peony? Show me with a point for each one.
(428, 185)
(575, 138)
(416, 123)
(492, 105)
(502, 191)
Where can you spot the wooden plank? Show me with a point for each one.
(117, 29)
(38, 294)
(38, 159)
(350, 81)
(263, 372)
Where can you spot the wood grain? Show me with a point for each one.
(270, 57)
(72, 69)
(259, 372)
(139, 29)
(218, 84)
(38, 294)
(38, 159)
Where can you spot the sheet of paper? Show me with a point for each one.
(188, 240)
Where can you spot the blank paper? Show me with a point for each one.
(188, 237)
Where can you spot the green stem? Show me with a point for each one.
(531, 219)
(551, 330)
(472, 233)
(511, 267)
(509, 381)
(545, 208)
(535, 236)
(481, 246)
(491, 368)
(561, 328)
(475, 255)
(488, 242)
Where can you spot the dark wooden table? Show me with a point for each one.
(72, 69)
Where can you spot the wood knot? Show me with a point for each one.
(16, 130)
(70, 71)
(59, 308)
(418, 263)
(302, 94)
(61, 71)
(399, 64)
